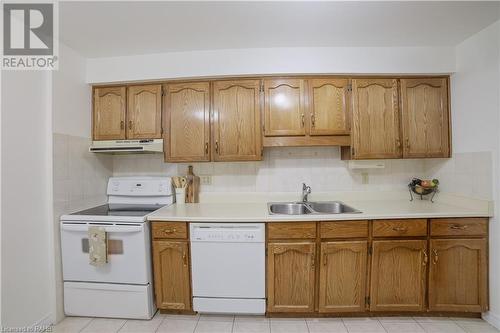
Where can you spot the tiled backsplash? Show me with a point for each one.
(284, 169)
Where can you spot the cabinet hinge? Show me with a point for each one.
(352, 151)
(261, 89)
(349, 87)
(367, 300)
(370, 250)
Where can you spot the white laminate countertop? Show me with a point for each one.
(371, 209)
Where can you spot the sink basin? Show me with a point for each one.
(332, 207)
(302, 208)
(289, 208)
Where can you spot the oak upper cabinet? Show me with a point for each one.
(284, 107)
(398, 275)
(109, 113)
(425, 117)
(328, 106)
(342, 279)
(375, 123)
(144, 112)
(458, 275)
(290, 276)
(187, 122)
(236, 123)
(171, 274)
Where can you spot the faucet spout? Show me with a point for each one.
(306, 190)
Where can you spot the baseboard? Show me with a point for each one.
(492, 318)
(44, 322)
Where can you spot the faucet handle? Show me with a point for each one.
(306, 188)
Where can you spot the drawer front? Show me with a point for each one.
(162, 230)
(290, 230)
(459, 227)
(344, 229)
(400, 228)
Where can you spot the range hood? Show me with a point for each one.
(127, 146)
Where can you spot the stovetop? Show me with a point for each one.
(106, 210)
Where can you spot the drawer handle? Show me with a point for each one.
(400, 229)
(458, 227)
(426, 257)
(436, 257)
(169, 231)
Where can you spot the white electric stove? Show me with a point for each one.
(122, 288)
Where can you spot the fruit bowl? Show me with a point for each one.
(423, 187)
(420, 190)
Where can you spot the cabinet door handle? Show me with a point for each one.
(313, 258)
(122, 124)
(458, 227)
(426, 257)
(313, 120)
(130, 124)
(407, 143)
(400, 229)
(398, 143)
(217, 147)
(302, 117)
(184, 259)
(436, 257)
(206, 148)
(325, 259)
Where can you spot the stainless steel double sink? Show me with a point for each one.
(313, 207)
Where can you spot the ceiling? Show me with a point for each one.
(102, 29)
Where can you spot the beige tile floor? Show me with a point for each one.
(256, 324)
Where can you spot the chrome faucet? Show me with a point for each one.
(306, 190)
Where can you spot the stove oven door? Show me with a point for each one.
(129, 255)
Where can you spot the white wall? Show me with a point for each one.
(27, 271)
(476, 123)
(272, 61)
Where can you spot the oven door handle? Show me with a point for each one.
(120, 229)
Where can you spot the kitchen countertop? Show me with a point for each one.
(371, 209)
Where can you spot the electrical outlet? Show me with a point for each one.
(364, 178)
(206, 180)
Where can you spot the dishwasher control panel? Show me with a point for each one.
(227, 232)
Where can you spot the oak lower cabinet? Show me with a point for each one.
(458, 275)
(291, 276)
(342, 279)
(398, 275)
(171, 275)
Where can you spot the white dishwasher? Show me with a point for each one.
(228, 267)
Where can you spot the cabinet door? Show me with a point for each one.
(187, 127)
(424, 110)
(171, 275)
(236, 120)
(375, 123)
(290, 277)
(328, 105)
(144, 112)
(284, 107)
(342, 279)
(109, 113)
(398, 275)
(458, 275)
